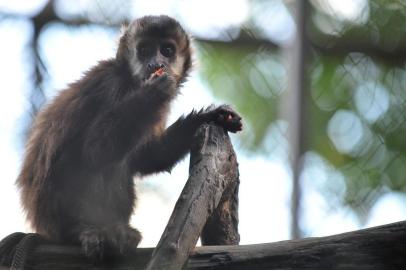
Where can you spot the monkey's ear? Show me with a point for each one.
(124, 27)
(122, 49)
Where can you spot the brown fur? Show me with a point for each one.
(86, 145)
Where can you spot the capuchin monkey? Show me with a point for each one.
(87, 144)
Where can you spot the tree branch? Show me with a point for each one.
(376, 248)
(213, 169)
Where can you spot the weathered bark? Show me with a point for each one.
(376, 248)
(222, 226)
(213, 169)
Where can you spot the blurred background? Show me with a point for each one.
(320, 85)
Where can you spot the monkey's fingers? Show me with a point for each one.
(123, 238)
(233, 124)
(228, 119)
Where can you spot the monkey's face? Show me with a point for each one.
(153, 55)
(156, 43)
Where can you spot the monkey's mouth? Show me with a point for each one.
(157, 73)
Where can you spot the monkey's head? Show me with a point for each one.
(154, 43)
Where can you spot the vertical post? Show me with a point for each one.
(222, 226)
(213, 183)
(296, 109)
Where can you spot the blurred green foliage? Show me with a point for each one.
(250, 78)
(356, 98)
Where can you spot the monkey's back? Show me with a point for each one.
(46, 137)
(57, 189)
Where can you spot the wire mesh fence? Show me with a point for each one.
(354, 152)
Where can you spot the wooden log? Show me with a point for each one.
(376, 248)
(222, 226)
(213, 167)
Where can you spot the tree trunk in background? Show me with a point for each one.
(295, 109)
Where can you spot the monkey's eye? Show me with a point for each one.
(168, 50)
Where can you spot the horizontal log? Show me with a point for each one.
(382, 247)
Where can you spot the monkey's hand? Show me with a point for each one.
(226, 117)
(162, 87)
(159, 76)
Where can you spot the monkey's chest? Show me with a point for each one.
(158, 127)
(112, 190)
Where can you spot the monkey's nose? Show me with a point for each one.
(152, 67)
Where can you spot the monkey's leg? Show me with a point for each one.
(162, 153)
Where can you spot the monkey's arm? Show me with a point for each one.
(110, 136)
(163, 152)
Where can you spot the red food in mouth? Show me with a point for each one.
(159, 71)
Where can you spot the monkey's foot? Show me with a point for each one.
(123, 238)
(226, 117)
(93, 243)
(112, 240)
